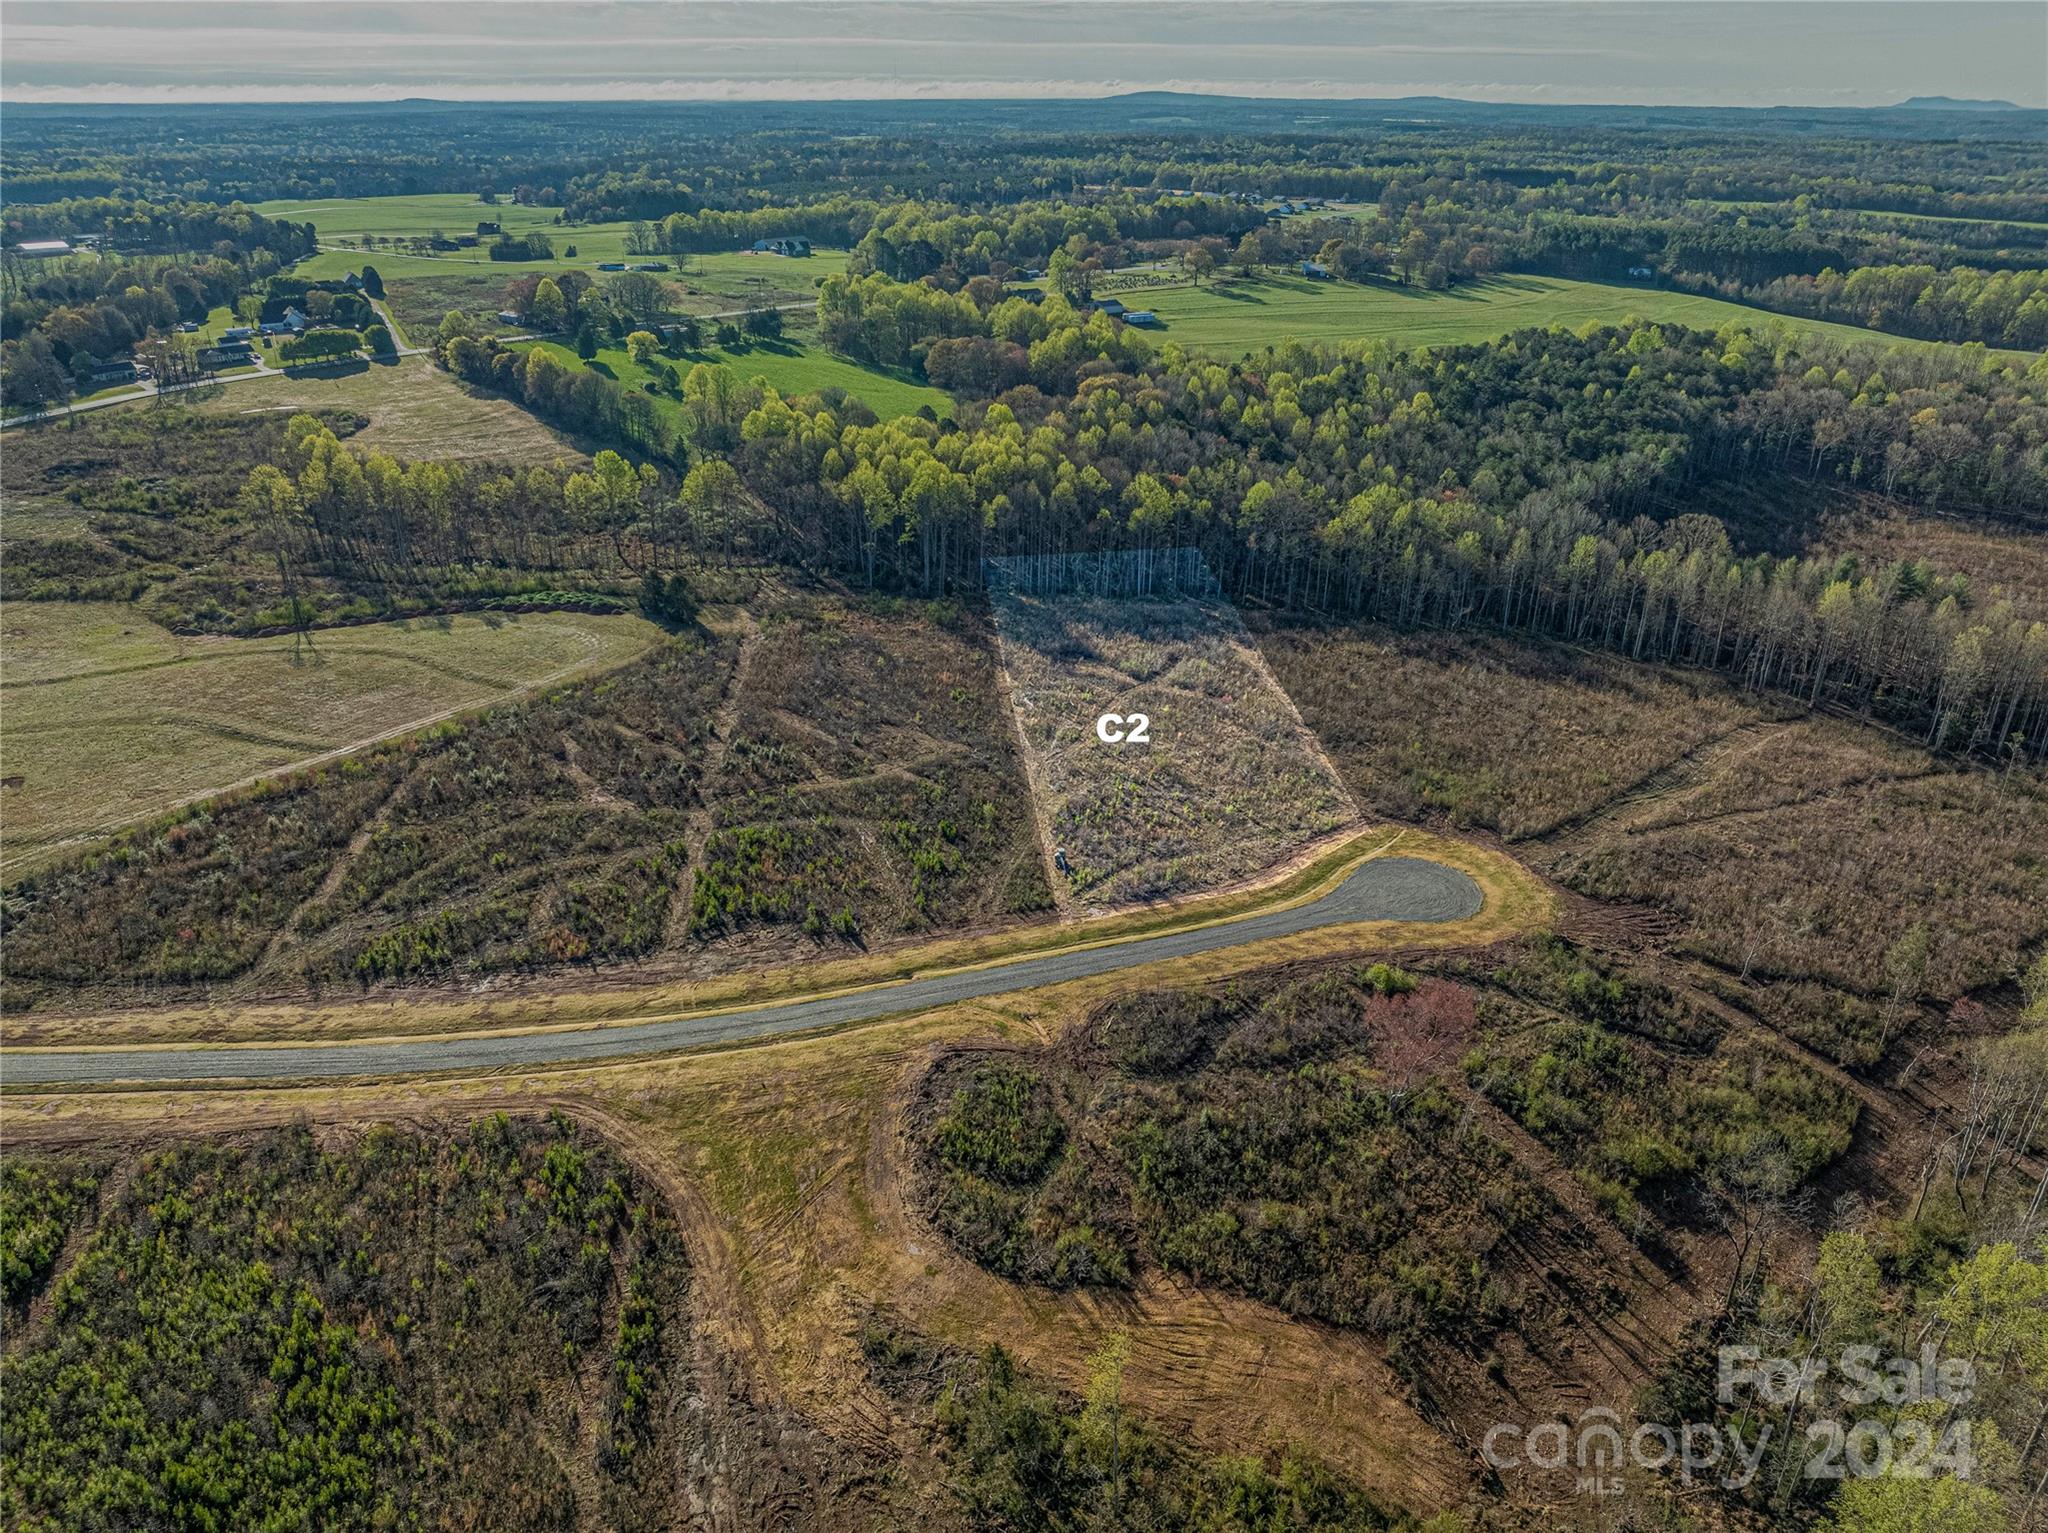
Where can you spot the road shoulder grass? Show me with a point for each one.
(1515, 900)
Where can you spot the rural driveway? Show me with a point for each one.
(1383, 889)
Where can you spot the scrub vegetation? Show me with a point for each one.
(1226, 784)
(488, 1326)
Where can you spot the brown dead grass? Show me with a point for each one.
(1515, 738)
(1812, 854)
(2003, 563)
(415, 411)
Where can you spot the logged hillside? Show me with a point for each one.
(814, 774)
(1842, 881)
(1441, 1155)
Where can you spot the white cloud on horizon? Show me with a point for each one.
(1626, 52)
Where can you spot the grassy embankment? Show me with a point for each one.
(1516, 902)
(789, 367)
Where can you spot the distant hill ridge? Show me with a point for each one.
(1954, 104)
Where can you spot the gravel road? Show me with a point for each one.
(1385, 889)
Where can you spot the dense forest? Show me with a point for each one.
(1835, 224)
(619, 161)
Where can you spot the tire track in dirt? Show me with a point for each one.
(331, 880)
(43, 1305)
(1216, 1369)
(9, 862)
(697, 827)
(1034, 780)
(1305, 737)
(1678, 775)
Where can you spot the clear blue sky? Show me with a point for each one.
(1808, 52)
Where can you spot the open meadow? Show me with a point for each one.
(790, 367)
(106, 718)
(1234, 315)
(413, 409)
(450, 213)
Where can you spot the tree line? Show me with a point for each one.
(1503, 485)
(1507, 485)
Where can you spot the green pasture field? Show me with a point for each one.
(421, 292)
(348, 219)
(453, 213)
(1948, 218)
(108, 718)
(1932, 218)
(791, 367)
(1235, 316)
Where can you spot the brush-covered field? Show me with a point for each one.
(412, 408)
(1228, 783)
(144, 507)
(109, 719)
(1850, 885)
(1414, 1151)
(812, 776)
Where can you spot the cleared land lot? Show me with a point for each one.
(1236, 316)
(1425, 725)
(1229, 784)
(109, 719)
(1823, 864)
(414, 410)
(2004, 563)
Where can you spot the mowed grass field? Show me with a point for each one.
(1237, 316)
(1748, 204)
(107, 718)
(789, 367)
(347, 220)
(453, 213)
